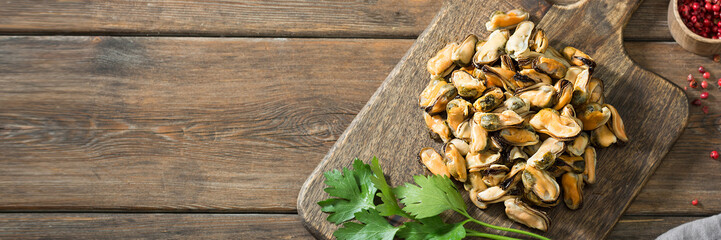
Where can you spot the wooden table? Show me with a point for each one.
(201, 119)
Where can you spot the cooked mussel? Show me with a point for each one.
(615, 124)
(593, 115)
(463, 131)
(536, 76)
(455, 163)
(461, 145)
(481, 160)
(578, 145)
(518, 136)
(475, 185)
(515, 104)
(550, 122)
(492, 49)
(489, 101)
(571, 163)
(603, 137)
(580, 91)
(516, 154)
(572, 190)
(433, 161)
(496, 192)
(539, 42)
(457, 111)
(520, 212)
(463, 54)
(439, 65)
(578, 58)
(499, 77)
(479, 137)
(595, 91)
(523, 81)
(540, 95)
(517, 44)
(438, 126)
(508, 63)
(501, 20)
(494, 174)
(436, 95)
(497, 121)
(589, 173)
(467, 85)
(541, 183)
(546, 154)
(564, 91)
(550, 66)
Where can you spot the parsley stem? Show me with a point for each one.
(464, 213)
(473, 233)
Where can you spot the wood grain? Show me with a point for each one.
(223, 226)
(384, 18)
(150, 226)
(595, 27)
(72, 185)
(180, 124)
(687, 172)
(294, 18)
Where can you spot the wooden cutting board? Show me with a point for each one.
(391, 126)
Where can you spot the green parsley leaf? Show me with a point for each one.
(353, 189)
(435, 195)
(375, 227)
(432, 228)
(389, 207)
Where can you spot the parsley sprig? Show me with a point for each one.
(354, 192)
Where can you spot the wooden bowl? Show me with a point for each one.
(688, 39)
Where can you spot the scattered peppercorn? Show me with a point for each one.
(696, 102)
(694, 202)
(704, 109)
(704, 84)
(685, 87)
(693, 84)
(706, 75)
(716, 58)
(701, 69)
(714, 154)
(690, 78)
(704, 95)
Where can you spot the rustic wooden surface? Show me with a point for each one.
(595, 27)
(107, 151)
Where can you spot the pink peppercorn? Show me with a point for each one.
(706, 75)
(704, 95)
(714, 154)
(694, 202)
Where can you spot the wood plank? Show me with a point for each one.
(207, 124)
(383, 18)
(225, 226)
(295, 18)
(151, 226)
(687, 172)
(646, 227)
(652, 127)
(649, 23)
(51, 151)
